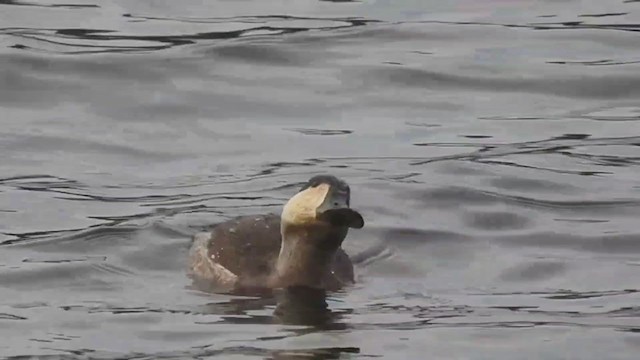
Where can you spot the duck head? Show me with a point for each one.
(324, 201)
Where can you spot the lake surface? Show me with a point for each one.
(492, 147)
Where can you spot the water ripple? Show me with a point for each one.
(61, 5)
(490, 146)
(79, 41)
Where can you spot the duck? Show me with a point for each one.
(300, 247)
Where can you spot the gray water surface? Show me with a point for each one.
(492, 147)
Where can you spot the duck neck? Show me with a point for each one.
(305, 256)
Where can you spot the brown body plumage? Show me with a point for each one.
(301, 247)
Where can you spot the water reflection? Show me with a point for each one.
(306, 308)
(291, 306)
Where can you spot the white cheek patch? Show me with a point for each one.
(301, 208)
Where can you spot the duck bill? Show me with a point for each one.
(336, 211)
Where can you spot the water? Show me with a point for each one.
(492, 147)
